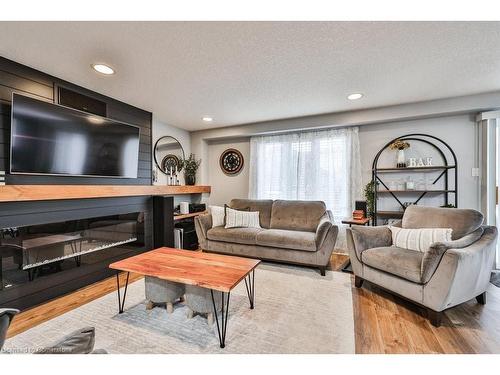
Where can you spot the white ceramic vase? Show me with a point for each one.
(400, 159)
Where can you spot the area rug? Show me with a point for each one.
(297, 311)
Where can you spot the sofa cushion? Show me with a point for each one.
(462, 221)
(396, 261)
(287, 239)
(245, 236)
(297, 215)
(264, 207)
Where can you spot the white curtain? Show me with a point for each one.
(315, 165)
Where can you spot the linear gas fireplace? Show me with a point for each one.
(27, 253)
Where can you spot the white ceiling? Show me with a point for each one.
(244, 72)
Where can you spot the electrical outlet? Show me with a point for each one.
(475, 172)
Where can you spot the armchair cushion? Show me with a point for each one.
(396, 261)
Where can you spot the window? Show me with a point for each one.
(319, 165)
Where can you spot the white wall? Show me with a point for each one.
(457, 131)
(161, 129)
(225, 187)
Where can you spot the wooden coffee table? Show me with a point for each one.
(219, 273)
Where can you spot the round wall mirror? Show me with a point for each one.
(168, 153)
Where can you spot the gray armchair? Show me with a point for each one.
(77, 342)
(6, 316)
(445, 276)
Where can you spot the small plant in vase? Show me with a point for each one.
(190, 166)
(400, 146)
(369, 193)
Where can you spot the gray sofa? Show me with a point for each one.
(298, 232)
(449, 274)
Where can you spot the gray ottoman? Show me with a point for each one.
(160, 291)
(199, 300)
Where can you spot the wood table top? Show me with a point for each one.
(213, 271)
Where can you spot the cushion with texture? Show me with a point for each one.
(241, 219)
(297, 215)
(287, 239)
(264, 207)
(245, 236)
(217, 213)
(462, 221)
(419, 239)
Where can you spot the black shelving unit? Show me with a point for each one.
(448, 170)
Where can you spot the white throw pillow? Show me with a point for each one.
(419, 239)
(217, 213)
(241, 219)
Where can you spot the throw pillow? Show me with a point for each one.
(419, 239)
(241, 219)
(217, 213)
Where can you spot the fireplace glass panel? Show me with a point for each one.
(28, 253)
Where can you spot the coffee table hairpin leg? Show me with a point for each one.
(250, 285)
(222, 328)
(121, 304)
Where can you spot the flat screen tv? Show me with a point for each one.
(52, 139)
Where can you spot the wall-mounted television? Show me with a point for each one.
(51, 139)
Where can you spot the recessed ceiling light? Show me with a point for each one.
(207, 119)
(103, 68)
(354, 96)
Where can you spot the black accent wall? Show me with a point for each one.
(17, 78)
(44, 212)
(23, 80)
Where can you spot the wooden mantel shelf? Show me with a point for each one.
(18, 193)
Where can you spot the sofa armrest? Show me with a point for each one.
(363, 238)
(433, 256)
(463, 273)
(202, 224)
(323, 228)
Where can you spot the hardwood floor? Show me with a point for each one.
(388, 324)
(383, 323)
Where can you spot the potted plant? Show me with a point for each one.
(369, 193)
(190, 166)
(401, 146)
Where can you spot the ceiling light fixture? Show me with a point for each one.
(354, 96)
(207, 119)
(103, 69)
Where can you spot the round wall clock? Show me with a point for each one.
(231, 161)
